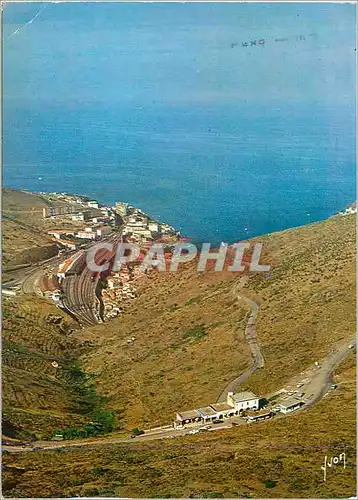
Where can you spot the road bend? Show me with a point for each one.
(250, 335)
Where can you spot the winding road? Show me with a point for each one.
(315, 389)
(250, 334)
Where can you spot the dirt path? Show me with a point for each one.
(250, 335)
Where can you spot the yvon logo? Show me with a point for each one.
(333, 461)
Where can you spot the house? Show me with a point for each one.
(289, 405)
(93, 204)
(86, 235)
(106, 211)
(64, 268)
(59, 233)
(154, 227)
(224, 410)
(236, 404)
(216, 411)
(121, 208)
(241, 401)
(187, 417)
(56, 234)
(81, 216)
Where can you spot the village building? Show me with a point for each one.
(60, 233)
(72, 245)
(289, 405)
(81, 216)
(93, 204)
(85, 235)
(235, 405)
(245, 400)
(224, 410)
(154, 227)
(121, 208)
(255, 416)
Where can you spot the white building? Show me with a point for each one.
(80, 216)
(56, 234)
(289, 405)
(154, 227)
(121, 208)
(236, 403)
(86, 235)
(93, 204)
(245, 400)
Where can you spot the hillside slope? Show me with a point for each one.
(277, 459)
(23, 237)
(189, 327)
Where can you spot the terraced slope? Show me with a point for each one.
(37, 396)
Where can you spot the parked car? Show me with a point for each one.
(217, 421)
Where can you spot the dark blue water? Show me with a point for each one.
(161, 112)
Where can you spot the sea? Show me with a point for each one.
(173, 109)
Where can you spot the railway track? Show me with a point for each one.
(79, 290)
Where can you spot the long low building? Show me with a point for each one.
(290, 404)
(235, 405)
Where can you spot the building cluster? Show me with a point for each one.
(75, 239)
(235, 405)
(138, 227)
(351, 209)
(243, 404)
(77, 208)
(120, 288)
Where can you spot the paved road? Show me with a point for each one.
(317, 387)
(320, 385)
(258, 359)
(321, 381)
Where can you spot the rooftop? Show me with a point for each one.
(221, 407)
(244, 396)
(184, 415)
(208, 411)
(290, 402)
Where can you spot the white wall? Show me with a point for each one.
(247, 405)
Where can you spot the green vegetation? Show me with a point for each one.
(234, 463)
(306, 309)
(104, 422)
(39, 398)
(196, 333)
(137, 432)
(269, 483)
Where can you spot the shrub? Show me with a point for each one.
(270, 484)
(137, 432)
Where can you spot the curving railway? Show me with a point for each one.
(79, 288)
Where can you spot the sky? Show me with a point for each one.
(83, 54)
